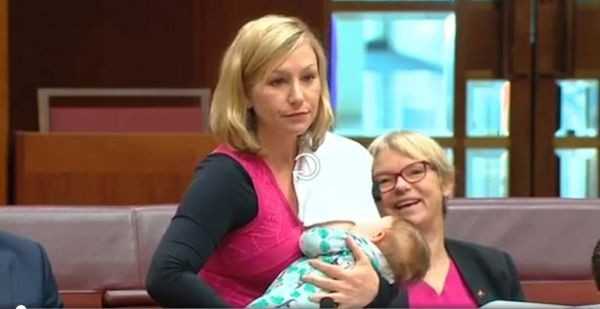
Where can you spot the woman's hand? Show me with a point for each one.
(350, 288)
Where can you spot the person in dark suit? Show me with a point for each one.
(25, 274)
(413, 179)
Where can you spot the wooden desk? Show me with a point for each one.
(106, 168)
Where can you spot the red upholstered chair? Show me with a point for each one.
(112, 146)
(549, 239)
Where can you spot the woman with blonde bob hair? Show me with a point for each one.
(413, 179)
(247, 61)
(240, 220)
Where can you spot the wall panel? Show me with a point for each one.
(3, 101)
(112, 169)
(131, 44)
(102, 43)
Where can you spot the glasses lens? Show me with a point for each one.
(386, 183)
(411, 174)
(414, 172)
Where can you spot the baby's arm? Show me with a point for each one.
(325, 239)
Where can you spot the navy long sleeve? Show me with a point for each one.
(219, 199)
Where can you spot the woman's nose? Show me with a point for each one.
(401, 184)
(296, 93)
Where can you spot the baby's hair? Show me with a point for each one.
(406, 251)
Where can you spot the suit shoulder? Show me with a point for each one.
(475, 248)
(19, 245)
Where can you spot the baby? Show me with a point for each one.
(395, 247)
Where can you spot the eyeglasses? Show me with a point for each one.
(411, 173)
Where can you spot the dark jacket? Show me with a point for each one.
(490, 274)
(25, 274)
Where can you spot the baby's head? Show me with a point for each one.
(403, 246)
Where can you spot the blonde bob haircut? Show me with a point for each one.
(418, 147)
(258, 47)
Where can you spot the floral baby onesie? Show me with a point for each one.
(329, 245)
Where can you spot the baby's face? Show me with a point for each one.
(370, 229)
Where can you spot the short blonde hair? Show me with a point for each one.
(259, 45)
(418, 147)
(406, 251)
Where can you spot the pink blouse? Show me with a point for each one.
(250, 258)
(455, 293)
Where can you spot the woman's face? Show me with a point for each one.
(286, 101)
(419, 202)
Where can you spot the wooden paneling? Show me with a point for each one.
(216, 23)
(566, 293)
(69, 43)
(521, 37)
(480, 28)
(520, 129)
(137, 44)
(478, 55)
(113, 169)
(521, 107)
(3, 101)
(99, 43)
(587, 39)
(460, 99)
(551, 38)
(545, 162)
(550, 51)
(82, 299)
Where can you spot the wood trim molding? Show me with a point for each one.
(576, 142)
(4, 126)
(95, 168)
(361, 6)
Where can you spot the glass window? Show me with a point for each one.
(488, 107)
(450, 155)
(393, 71)
(578, 170)
(578, 114)
(486, 172)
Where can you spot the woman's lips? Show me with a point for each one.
(297, 114)
(406, 203)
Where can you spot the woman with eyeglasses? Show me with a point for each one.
(413, 179)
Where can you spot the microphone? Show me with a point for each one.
(596, 264)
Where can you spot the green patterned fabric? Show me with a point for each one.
(328, 245)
